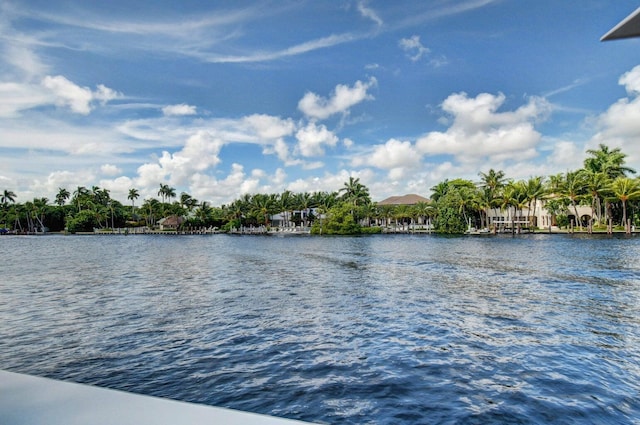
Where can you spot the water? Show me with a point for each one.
(368, 330)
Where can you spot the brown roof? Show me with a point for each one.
(411, 199)
(172, 221)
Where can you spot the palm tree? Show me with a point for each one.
(423, 210)
(80, 195)
(262, 206)
(573, 187)
(625, 189)
(7, 197)
(506, 198)
(203, 212)
(438, 191)
(133, 195)
(303, 202)
(39, 210)
(187, 201)
(162, 193)
(356, 194)
(170, 193)
(62, 196)
(535, 190)
(608, 161)
(596, 184)
(492, 180)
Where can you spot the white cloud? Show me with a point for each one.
(344, 97)
(78, 99)
(199, 154)
(16, 97)
(110, 170)
(270, 127)
(313, 138)
(179, 110)
(479, 130)
(631, 80)
(619, 126)
(413, 48)
(369, 13)
(398, 157)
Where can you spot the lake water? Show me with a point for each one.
(356, 330)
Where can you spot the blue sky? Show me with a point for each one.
(223, 98)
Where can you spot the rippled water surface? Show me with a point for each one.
(382, 329)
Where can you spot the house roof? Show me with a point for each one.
(172, 220)
(628, 27)
(410, 199)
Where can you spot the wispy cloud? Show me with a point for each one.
(413, 48)
(368, 12)
(308, 46)
(576, 83)
(444, 9)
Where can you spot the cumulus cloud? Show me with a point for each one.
(619, 126)
(343, 98)
(110, 170)
(225, 190)
(398, 157)
(269, 127)
(479, 130)
(313, 138)
(199, 153)
(78, 99)
(413, 48)
(179, 110)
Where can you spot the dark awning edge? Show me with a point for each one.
(627, 28)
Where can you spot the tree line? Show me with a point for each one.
(603, 183)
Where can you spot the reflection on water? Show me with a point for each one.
(382, 329)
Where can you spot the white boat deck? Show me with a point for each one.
(26, 400)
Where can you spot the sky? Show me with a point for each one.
(218, 98)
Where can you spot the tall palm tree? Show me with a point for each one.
(80, 196)
(62, 196)
(596, 184)
(535, 190)
(625, 189)
(7, 197)
(609, 161)
(162, 192)
(170, 193)
(573, 187)
(356, 194)
(132, 196)
(492, 180)
(303, 202)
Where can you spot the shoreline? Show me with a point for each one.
(256, 232)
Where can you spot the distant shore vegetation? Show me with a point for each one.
(604, 183)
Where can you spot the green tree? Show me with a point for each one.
(448, 218)
(608, 161)
(355, 193)
(132, 196)
(573, 187)
(62, 196)
(625, 189)
(339, 221)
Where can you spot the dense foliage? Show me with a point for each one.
(604, 184)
